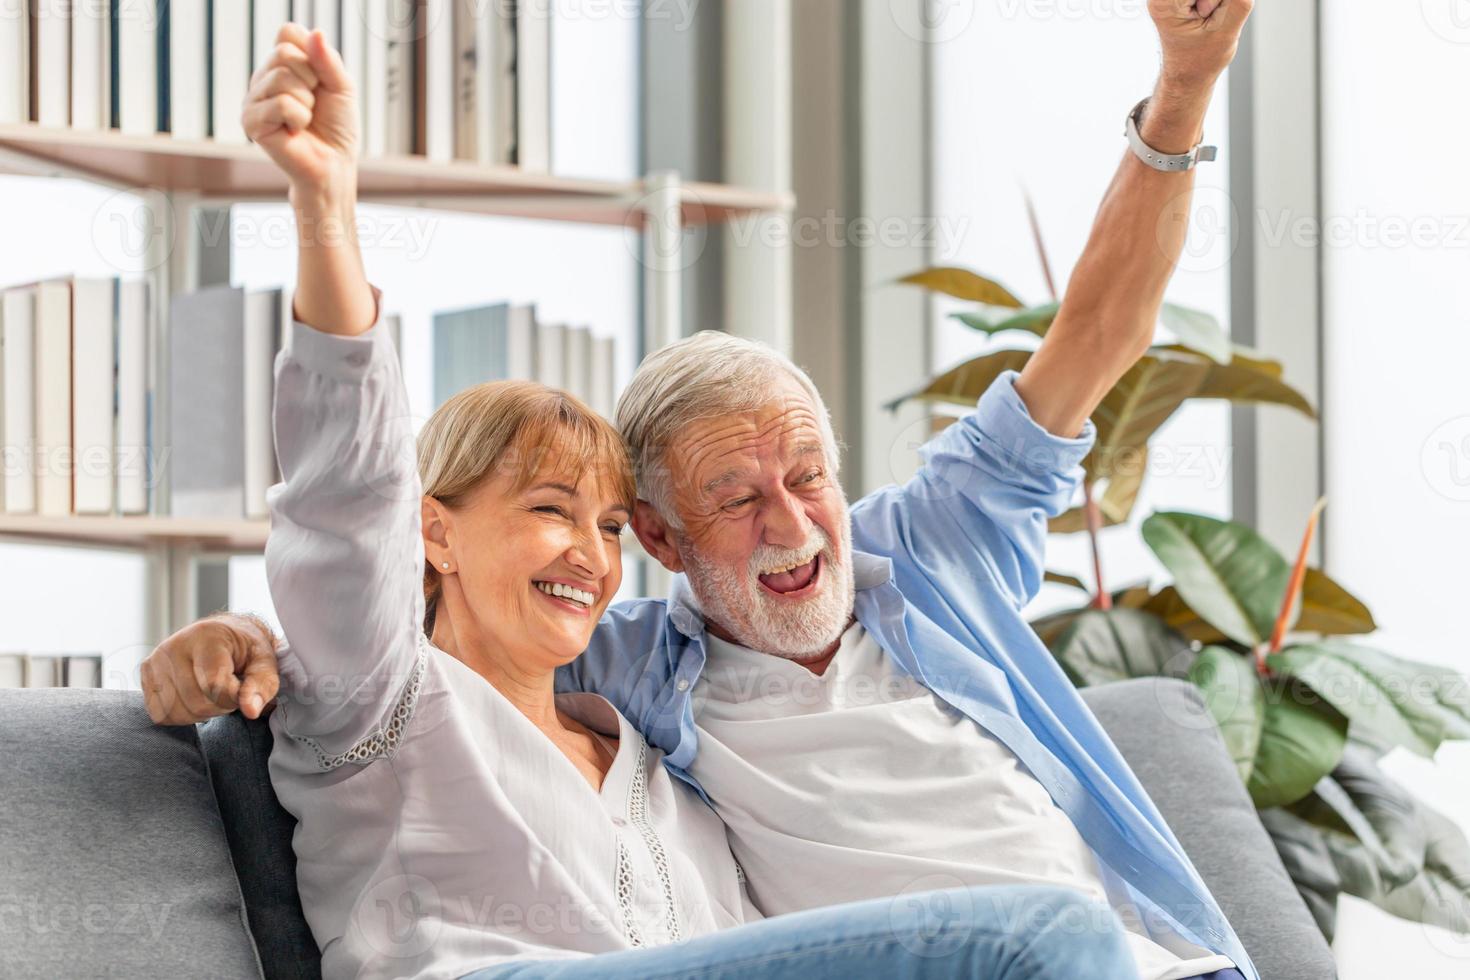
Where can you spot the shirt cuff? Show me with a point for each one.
(346, 358)
(1002, 416)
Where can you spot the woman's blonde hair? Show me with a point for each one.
(520, 428)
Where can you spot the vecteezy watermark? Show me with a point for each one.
(97, 462)
(37, 917)
(932, 21)
(1449, 19)
(1445, 459)
(1210, 227)
(1072, 10)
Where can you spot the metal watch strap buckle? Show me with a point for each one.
(1167, 162)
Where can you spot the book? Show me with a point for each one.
(375, 77)
(484, 82)
(267, 16)
(91, 66)
(84, 670)
(434, 67)
(188, 69)
(42, 670)
(51, 61)
(327, 15)
(15, 62)
(262, 339)
(94, 325)
(470, 347)
(354, 58)
(18, 399)
(577, 366)
(229, 69)
(12, 670)
(206, 464)
(551, 346)
(52, 380)
(135, 43)
(398, 23)
(602, 395)
(520, 343)
(533, 85)
(133, 400)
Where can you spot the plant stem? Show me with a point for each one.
(1103, 600)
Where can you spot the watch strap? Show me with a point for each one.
(1168, 162)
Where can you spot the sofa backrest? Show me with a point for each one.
(113, 860)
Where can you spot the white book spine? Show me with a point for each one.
(353, 46)
(53, 398)
(520, 345)
(94, 324)
(327, 15)
(439, 48)
(53, 62)
(43, 671)
(188, 70)
(12, 670)
(398, 77)
(533, 85)
(84, 671)
(604, 377)
(551, 353)
(375, 81)
(18, 398)
(303, 12)
(578, 364)
(15, 62)
(137, 69)
(262, 328)
(467, 69)
(230, 68)
(91, 65)
(132, 398)
(268, 15)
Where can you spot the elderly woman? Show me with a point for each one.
(456, 816)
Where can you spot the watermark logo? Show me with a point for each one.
(932, 21)
(1449, 19)
(1445, 459)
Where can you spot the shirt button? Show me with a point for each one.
(682, 684)
(357, 359)
(619, 822)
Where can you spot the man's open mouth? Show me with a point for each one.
(793, 582)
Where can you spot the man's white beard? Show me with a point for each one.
(735, 599)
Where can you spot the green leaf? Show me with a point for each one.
(1230, 576)
(1309, 862)
(1169, 605)
(1359, 801)
(1330, 609)
(1099, 646)
(1236, 701)
(1198, 331)
(963, 284)
(1411, 704)
(1440, 895)
(964, 384)
(1061, 578)
(1302, 740)
(1035, 320)
(1245, 379)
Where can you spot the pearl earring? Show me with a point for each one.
(445, 565)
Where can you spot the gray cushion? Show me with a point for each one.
(113, 861)
(259, 831)
(1163, 729)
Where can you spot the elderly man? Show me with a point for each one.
(854, 691)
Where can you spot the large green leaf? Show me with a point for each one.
(963, 284)
(1440, 895)
(1236, 701)
(1245, 379)
(1302, 740)
(1198, 331)
(1034, 320)
(1133, 409)
(1230, 575)
(1411, 704)
(1114, 504)
(964, 383)
(1169, 605)
(1309, 862)
(1099, 646)
(1330, 609)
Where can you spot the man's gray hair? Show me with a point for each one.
(704, 376)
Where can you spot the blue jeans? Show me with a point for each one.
(1013, 932)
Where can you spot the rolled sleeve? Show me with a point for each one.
(338, 356)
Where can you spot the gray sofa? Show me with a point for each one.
(128, 850)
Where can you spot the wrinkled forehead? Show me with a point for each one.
(780, 433)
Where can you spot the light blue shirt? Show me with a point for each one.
(943, 566)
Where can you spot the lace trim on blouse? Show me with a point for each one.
(384, 742)
(638, 816)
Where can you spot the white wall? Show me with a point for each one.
(1033, 95)
(1397, 407)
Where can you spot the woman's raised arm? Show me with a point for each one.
(301, 109)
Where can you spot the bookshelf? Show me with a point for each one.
(176, 176)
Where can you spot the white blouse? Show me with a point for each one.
(439, 831)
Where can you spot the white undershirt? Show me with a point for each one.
(861, 783)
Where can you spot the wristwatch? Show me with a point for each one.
(1168, 162)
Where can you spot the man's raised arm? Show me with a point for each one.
(1107, 316)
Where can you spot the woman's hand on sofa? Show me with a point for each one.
(211, 667)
